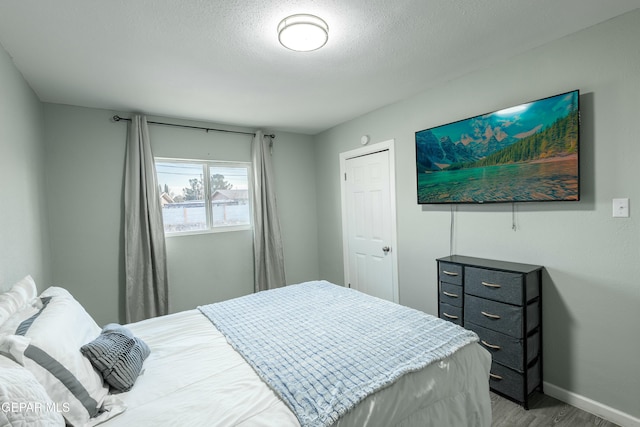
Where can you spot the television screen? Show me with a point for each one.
(524, 153)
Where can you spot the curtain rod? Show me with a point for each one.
(117, 118)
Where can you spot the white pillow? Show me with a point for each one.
(20, 296)
(11, 324)
(23, 400)
(54, 291)
(48, 344)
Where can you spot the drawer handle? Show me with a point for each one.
(491, 285)
(450, 316)
(450, 273)
(493, 346)
(449, 294)
(490, 316)
(495, 377)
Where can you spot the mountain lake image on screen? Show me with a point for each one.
(525, 153)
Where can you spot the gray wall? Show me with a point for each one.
(24, 239)
(85, 163)
(85, 166)
(591, 283)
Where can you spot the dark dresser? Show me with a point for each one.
(502, 302)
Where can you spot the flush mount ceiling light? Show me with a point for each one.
(303, 33)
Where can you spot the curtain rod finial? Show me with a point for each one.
(116, 118)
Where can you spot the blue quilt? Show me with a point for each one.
(323, 348)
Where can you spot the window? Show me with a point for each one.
(204, 196)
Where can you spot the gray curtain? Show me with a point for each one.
(145, 254)
(267, 241)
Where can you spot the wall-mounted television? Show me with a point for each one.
(525, 153)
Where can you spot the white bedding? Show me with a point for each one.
(193, 377)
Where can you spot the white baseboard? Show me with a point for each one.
(603, 411)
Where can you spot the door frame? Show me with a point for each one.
(359, 152)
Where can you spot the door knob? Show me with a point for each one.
(386, 249)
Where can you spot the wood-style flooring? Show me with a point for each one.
(543, 411)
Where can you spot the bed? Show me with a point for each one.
(228, 364)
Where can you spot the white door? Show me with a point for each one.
(369, 223)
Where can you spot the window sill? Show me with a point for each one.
(210, 231)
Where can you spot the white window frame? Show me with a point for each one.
(207, 165)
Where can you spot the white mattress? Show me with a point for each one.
(193, 377)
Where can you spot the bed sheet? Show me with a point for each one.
(194, 377)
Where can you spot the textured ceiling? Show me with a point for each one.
(220, 61)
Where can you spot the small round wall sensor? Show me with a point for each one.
(364, 140)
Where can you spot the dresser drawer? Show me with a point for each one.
(511, 383)
(506, 349)
(450, 273)
(509, 287)
(500, 317)
(451, 294)
(496, 285)
(451, 313)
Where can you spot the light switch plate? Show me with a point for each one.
(621, 208)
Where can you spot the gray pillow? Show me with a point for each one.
(117, 355)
